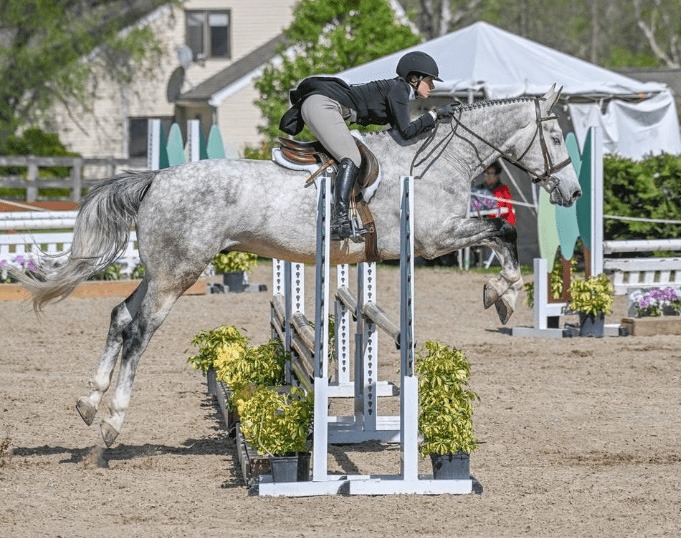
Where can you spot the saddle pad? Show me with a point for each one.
(278, 157)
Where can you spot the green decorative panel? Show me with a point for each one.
(215, 149)
(546, 228)
(175, 146)
(566, 217)
(584, 202)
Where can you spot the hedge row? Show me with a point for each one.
(650, 189)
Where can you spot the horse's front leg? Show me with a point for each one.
(501, 237)
(502, 291)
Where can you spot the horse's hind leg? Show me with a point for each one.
(121, 316)
(156, 305)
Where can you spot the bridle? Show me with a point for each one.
(549, 168)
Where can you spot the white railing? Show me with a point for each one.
(56, 245)
(650, 272)
(37, 220)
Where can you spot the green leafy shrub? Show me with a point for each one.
(112, 272)
(34, 141)
(277, 422)
(594, 295)
(138, 271)
(445, 400)
(240, 366)
(228, 262)
(650, 188)
(210, 343)
(555, 279)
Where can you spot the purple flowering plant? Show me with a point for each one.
(656, 301)
(18, 264)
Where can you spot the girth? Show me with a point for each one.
(311, 153)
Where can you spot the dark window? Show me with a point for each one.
(208, 34)
(138, 130)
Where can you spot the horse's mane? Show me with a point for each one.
(495, 102)
(464, 108)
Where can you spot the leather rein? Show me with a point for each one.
(549, 167)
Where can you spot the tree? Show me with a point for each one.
(327, 36)
(659, 23)
(43, 45)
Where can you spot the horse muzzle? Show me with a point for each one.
(558, 197)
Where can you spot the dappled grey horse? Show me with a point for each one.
(186, 214)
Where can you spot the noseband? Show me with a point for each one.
(549, 168)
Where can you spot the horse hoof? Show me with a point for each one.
(86, 410)
(109, 433)
(490, 295)
(504, 310)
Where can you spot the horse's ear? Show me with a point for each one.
(551, 96)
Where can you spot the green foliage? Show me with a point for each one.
(138, 271)
(330, 36)
(650, 188)
(43, 45)
(228, 262)
(277, 422)
(445, 400)
(34, 141)
(210, 343)
(594, 295)
(240, 366)
(112, 272)
(555, 279)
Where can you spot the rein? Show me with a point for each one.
(444, 143)
(549, 167)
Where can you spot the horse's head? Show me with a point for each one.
(546, 158)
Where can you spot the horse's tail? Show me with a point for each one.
(100, 236)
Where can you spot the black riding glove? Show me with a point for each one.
(446, 111)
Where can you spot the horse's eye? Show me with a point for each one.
(555, 140)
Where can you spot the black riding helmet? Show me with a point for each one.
(420, 63)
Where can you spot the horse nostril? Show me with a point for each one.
(576, 194)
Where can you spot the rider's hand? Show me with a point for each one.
(446, 111)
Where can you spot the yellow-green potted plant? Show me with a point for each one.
(445, 410)
(277, 422)
(232, 366)
(213, 345)
(592, 298)
(234, 266)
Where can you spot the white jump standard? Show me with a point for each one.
(366, 424)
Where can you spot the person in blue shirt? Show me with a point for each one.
(325, 104)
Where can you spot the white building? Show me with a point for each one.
(222, 43)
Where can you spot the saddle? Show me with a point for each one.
(314, 154)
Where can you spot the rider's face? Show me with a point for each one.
(424, 87)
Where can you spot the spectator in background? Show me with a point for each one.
(499, 191)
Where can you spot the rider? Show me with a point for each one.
(326, 103)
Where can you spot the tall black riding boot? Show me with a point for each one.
(341, 228)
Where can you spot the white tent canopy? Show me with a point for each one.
(484, 58)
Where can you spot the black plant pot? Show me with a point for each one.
(235, 281)
(290, 468)
(451, 466)
(591, 325)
